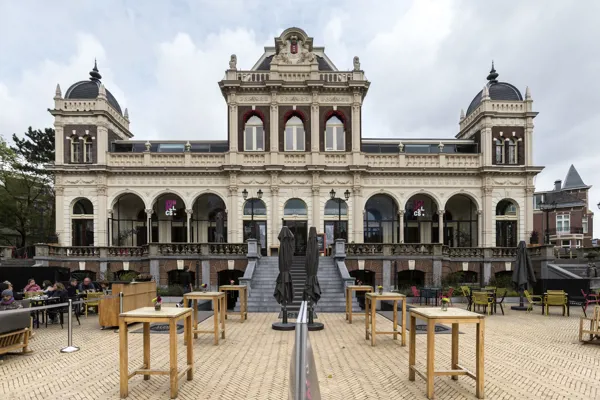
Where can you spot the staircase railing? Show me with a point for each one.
(339, 257)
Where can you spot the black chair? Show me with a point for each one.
(499, 302)
(59, 312)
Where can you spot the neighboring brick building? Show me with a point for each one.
(563, 214)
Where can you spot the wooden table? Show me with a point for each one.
(349, 290)
(219, 307)
(371, 312)
(243, 292)
(452, 316)
(146, 315)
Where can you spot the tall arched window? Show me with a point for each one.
(335, 137)
(512, 151)
(499, 144)
(294, 134)
(87, 150)
(254, 134)
(82, 223)
(75, 149)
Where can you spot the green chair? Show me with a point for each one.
(532, 300)
(483, 299)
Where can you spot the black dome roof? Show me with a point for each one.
(90, 89)
(497, 91)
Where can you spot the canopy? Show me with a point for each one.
(312, 289)
(284, 291)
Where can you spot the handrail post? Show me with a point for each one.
(70, 348)
(120, 302)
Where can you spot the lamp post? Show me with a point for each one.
(339, 201)
(547, 208)
(245, 196)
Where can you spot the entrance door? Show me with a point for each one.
(300, 231)
(506, 233)
(257, 230)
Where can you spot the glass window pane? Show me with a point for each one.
(260, 140)
(249, 145)
(289, 138)
(340, 139)
(300, 138)
(329, 138)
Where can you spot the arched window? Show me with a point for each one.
(87, 150)
(83, 207)
(336, 207)
(255, 207)
(499, 144)
(82, 223)
(254, 134)
(294, 134)
(512, 151)
(295, 207)
(335, 137)
(75, 149)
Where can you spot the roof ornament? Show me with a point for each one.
(485, 94)
(126, 115)
(102, 91)
(58, 92)
(462, 114)
(356, 62)
(233, 62)
(527, 93)
(493, 76)
(94, 74)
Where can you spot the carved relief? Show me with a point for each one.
(336, 181)
(295, 181)
(254, 181)
(509, 181)
(335, 99)
(294, 99)
(253, 99)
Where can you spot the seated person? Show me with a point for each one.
(32, 286)
(59, 291)
(46, 285)
(8, 301)
(72, 289)
(87, 286)
(6, 285)
(104, 286)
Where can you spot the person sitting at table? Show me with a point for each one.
(8, 301)
(73, 288)
(46, 285)
(87, 285)
(32, 286)
(6, 285)
(60, 292)
(104, 286)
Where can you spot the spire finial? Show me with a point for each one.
(126, 113)
(58, 92)
(492, 77)
(462, 114)
(485, 94)
(94, 74)
(527, 93)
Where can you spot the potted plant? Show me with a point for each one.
(445, 302)
(534, 238)
(157, 303)
(380, 289)
(204, 287)
(232, 282)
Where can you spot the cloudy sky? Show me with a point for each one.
(426, 60)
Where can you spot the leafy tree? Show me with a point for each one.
(26, 194)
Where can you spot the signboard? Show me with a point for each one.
(419, 208)
(321, 242)
(170, 208)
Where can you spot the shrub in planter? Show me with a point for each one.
(534, 238)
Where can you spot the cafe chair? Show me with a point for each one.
(94, 303)
(532, 300)
(416, 294)
(589, 298)
(556, 298)
(467, 295)
(500, 292)
(483, 299)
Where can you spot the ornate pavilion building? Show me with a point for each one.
(294, 154)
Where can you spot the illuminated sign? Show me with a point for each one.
(419, 208)
(170, 209)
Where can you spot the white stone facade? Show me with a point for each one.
(292, 84)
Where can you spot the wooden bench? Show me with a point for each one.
(13, 341)
(594, 327)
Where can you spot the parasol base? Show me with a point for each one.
(519, 308)
(280, 326)
(316, 326)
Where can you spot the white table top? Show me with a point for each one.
(149, 312)
(437, 312)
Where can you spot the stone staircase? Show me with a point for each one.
(262, 287)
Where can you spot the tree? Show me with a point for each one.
(26, 192)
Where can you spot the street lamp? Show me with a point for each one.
(547, 208)
(339, 201)
(245, 196)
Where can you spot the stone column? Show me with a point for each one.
(274, 129)
(59, 144)
(401, 215)
(489, 229)
(437, 273)
(233, 129)
(528, 212)
(109, 228)
(314, 128)
(479, 228)
(487, 272)
(149, 224)
(155, 271)
(357, 210)
(441, 225)
(189, 212)
(206, 272)
(101, 218)
(273, 225)
(233, 222)
(316, 207)
(387, 275)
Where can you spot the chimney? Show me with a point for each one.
(557, 185)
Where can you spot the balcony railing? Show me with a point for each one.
(152, 249)
(573, 230)
(433, 249)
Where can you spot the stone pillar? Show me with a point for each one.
(101, 143)
(206, 272)
(109, 228)
(441, 226)
(401, 215)
(59, 144)
(487, 273)
(101, 218)
(315, 207)
(528, 213)
(387, 275)
(233, 129)
(437, 273)
(314, 128)
(149, 224)
(233, 222)
(489, 229)
(155, 271)
(274, 129)
(274, 223)
(479, 228)
(189, 213)
(103, 269)
(357, 214)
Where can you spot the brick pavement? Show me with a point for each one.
(527, 356)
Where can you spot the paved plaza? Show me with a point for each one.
(527, 356)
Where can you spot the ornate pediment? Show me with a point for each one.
(294, 47)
